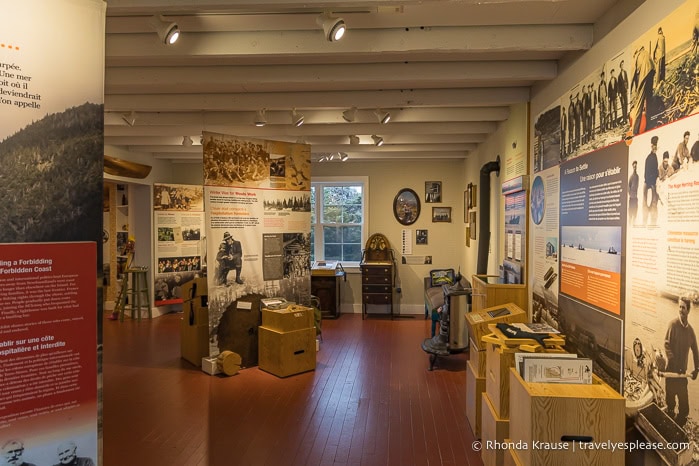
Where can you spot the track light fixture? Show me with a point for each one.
(333, 27)
(260, 119)
(323, 158)
(350, 114)
(168, 31)
(378, 140)
(384, 117)
(354, 140)
(343, 156)
(296, 118)
(187, 141)
(129, 118)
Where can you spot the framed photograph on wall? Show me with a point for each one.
(421, 237)
(406, 206)
(441, 214)
(467, 203)
(433, 191)
(472, 224)
(472, 196)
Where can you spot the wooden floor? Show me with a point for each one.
(370, 401)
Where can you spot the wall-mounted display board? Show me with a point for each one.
(179, 234)
(614, 242)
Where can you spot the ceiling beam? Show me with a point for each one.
(215, 79)
(307, 130)
(281, 117)
(470, 97)
(134, 141)
(354, 155)
(145, 49)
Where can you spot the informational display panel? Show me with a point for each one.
(625, 145)
(48, 340)
(258, 224)
(51, 165)
(180, 239)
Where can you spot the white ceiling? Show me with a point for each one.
(447, 71)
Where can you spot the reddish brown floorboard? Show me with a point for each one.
(370, 401)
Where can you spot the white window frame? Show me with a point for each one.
(318, 183)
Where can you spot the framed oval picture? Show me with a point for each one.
(406, 206)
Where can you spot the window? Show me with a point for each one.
(339, 218)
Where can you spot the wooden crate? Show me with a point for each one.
(478, 321)
(475, 387)
(493, 429)
(657, 427)
(547, 412)
(487, 292)
(499, 360)
(194, 341)
(287, 353)
(477, 358)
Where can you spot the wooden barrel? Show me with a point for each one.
(229, 362)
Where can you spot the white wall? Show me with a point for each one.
(511, 144)
(446, 241)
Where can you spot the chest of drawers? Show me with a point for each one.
(377, 286)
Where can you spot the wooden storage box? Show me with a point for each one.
(474, 391)
(495, 429)
(292, 318)
(194, 341)
(195, 313)
(499, 360)
(477, 358)
(478, 321)
(287, 353)
(551, 412)
(194, 288)
(489, 292)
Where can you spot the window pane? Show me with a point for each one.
(352, 214)
(313, 204)
(332, 235)
(352, 234)
(352, 252)
(332, 214)
(333, 252)
(313, 244)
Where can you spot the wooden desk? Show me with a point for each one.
(327, 286)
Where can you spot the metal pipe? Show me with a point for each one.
(484, 226)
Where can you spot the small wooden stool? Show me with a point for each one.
(138, 292)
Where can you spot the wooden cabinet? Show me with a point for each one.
(489, 292)
(328, 288)
(377, 285)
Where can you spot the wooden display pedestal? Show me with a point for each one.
(488, 292)
(475, 386)
(553, 413)
(493, 428)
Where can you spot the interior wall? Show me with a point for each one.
(511, 144)
(446, 241)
